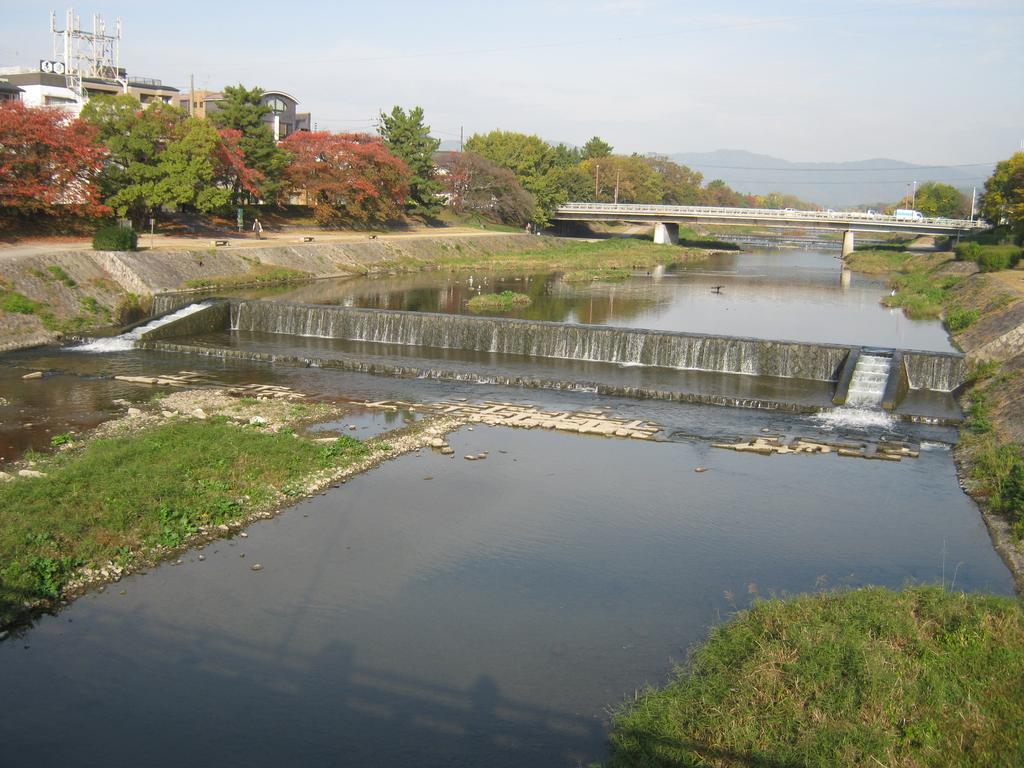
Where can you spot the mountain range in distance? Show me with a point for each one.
(831, 185)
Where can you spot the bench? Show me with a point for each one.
(217, 243)
(306, 239)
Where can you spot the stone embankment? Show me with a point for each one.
(84, 289)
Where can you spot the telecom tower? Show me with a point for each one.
(86, 54)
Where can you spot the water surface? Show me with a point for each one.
(486, 616)
(786, 294)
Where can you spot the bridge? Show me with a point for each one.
(667, 218)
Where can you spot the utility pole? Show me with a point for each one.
(913, 199)
(616, 187)
(597, 181)
(974, 196)
(461, 134)
(191, 95)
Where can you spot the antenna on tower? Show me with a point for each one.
(85, 55)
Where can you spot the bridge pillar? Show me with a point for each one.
(666, 234)
(847, 243)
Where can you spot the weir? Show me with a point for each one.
(390, 342)
(620, 346)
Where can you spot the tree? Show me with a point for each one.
(1002, 203)
(134, 138)
(476, 185)
(201, 168)
(348, 178)
(595, 148)
(636, 180)
(530, 158)
(564, 156)
(410, 140)
(679, 185)
(243, 110)
(48, 162)
(718, 193)
(936, 199)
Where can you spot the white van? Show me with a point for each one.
(908, 214)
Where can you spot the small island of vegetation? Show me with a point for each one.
(506, 301)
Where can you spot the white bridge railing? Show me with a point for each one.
(787, 214)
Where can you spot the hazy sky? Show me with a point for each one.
(938, 81)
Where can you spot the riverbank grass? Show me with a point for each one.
(144, 492)
(869, 677)
(583, 260)
(260, 274)
(506, 301)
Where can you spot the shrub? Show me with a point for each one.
(959, 318)
(967, 251)
(997, 257)
(115, 238)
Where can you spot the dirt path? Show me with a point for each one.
(158, 242)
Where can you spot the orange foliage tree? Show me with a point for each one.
(48, 162)
(348, 178)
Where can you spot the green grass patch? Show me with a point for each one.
(921, 294)
(129, 494)
(18, 303)
(580, 259)
(878, 261)
(505, 301)
(258, 275)
(61, 276)
(919, 677)
(997, 469)
(959, 318)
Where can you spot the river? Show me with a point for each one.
(443, 612)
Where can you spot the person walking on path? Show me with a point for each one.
(258, 229)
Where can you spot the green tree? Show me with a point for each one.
(188, 172)
(936, 199)
(565, 156)
(242, 109)
(679, 185)
(596, 147)
(1003, 200)
(530, 158)
(633, 176)
(409, 139)
(135, 138)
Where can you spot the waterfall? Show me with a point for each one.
(127, 340)
(867, 386)
(935, 371)
(623, 346)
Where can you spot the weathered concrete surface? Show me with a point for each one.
(212, 318)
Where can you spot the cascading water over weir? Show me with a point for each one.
(870, 376)
(621, 361)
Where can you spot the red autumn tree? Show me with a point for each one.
(48, 162)
(230, 159)
(348, 178)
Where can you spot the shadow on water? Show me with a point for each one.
(325, 708)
